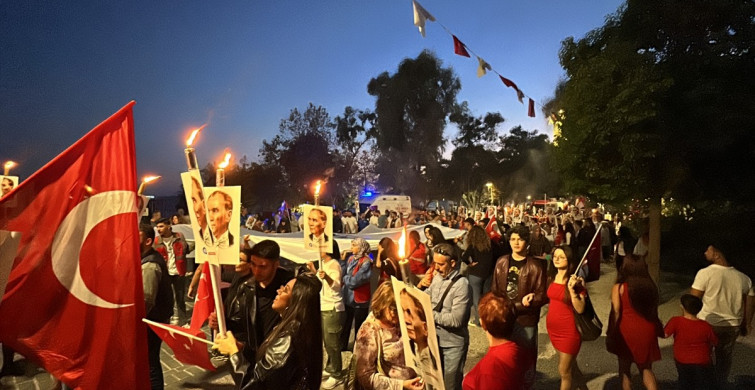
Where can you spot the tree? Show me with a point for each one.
(311, 146)
(473, 161)
(480, 131)
(302, 149)
(355, 135)
(411, 107)
(656, 104)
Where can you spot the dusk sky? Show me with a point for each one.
(241, 66)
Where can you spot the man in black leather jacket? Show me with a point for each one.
(248, 310)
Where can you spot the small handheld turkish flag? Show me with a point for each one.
(186, 349)
(204, 303)
(491, 229)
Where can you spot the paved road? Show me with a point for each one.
(598, 365)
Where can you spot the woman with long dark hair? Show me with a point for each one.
(479, 257)
(624, 245)
(387, 259)
(633, 326)
(291, 355)
(566, 294)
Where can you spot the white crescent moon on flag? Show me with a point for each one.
(73, 231)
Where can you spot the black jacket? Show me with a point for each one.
(282, 367)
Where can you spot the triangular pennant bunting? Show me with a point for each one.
(459, 47)
(483, 67)
(420, 16)
(531, 110)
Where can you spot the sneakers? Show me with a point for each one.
(330, 383)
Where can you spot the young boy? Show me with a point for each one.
(693, 340)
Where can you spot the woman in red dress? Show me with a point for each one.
(566, 294)
(634, 327)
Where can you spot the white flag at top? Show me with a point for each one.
(420, 16)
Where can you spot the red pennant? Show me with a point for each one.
(510, 84)
(204, 303)
(531, 110)
(74, 299)
(185, 349)
(459, 47)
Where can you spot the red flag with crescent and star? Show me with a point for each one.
(204, 303)
(74, 298)
(491, 229)
(185, 349)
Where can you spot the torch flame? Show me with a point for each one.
(402, 244)
(193, 135)
(226, 161)
(317, 188)
(148, 179)
(9, 164)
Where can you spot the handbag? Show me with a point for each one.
(588, 324)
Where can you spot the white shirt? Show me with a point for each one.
(171, 262)
(330, 296)
(724, 289)
(349, 225)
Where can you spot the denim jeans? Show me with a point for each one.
(332, 324)
(477, 284)
(453, 359)
(178, 284)
(526, 338)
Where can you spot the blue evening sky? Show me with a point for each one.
(241, 66)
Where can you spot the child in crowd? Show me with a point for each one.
(693, 343)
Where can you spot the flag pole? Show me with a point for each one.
(586, 252)
(192, 165)
(174, 330)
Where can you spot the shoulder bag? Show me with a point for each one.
(588, 324)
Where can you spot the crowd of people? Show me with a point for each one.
(496, 277)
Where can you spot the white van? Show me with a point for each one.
(398, 203)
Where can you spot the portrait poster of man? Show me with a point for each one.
(224, 214)
(415, 314)
(318, 228)
(7, 183)
(224, 217)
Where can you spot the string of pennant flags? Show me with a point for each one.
(421, 16)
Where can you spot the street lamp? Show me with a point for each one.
(490, 187)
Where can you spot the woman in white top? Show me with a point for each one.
(332, 310)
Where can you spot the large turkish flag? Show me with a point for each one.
(74, 298)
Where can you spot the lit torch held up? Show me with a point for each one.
(191, 156)
(220, 172)
(403, 262)
(317, 192)
(146, 180)
(6, 168)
